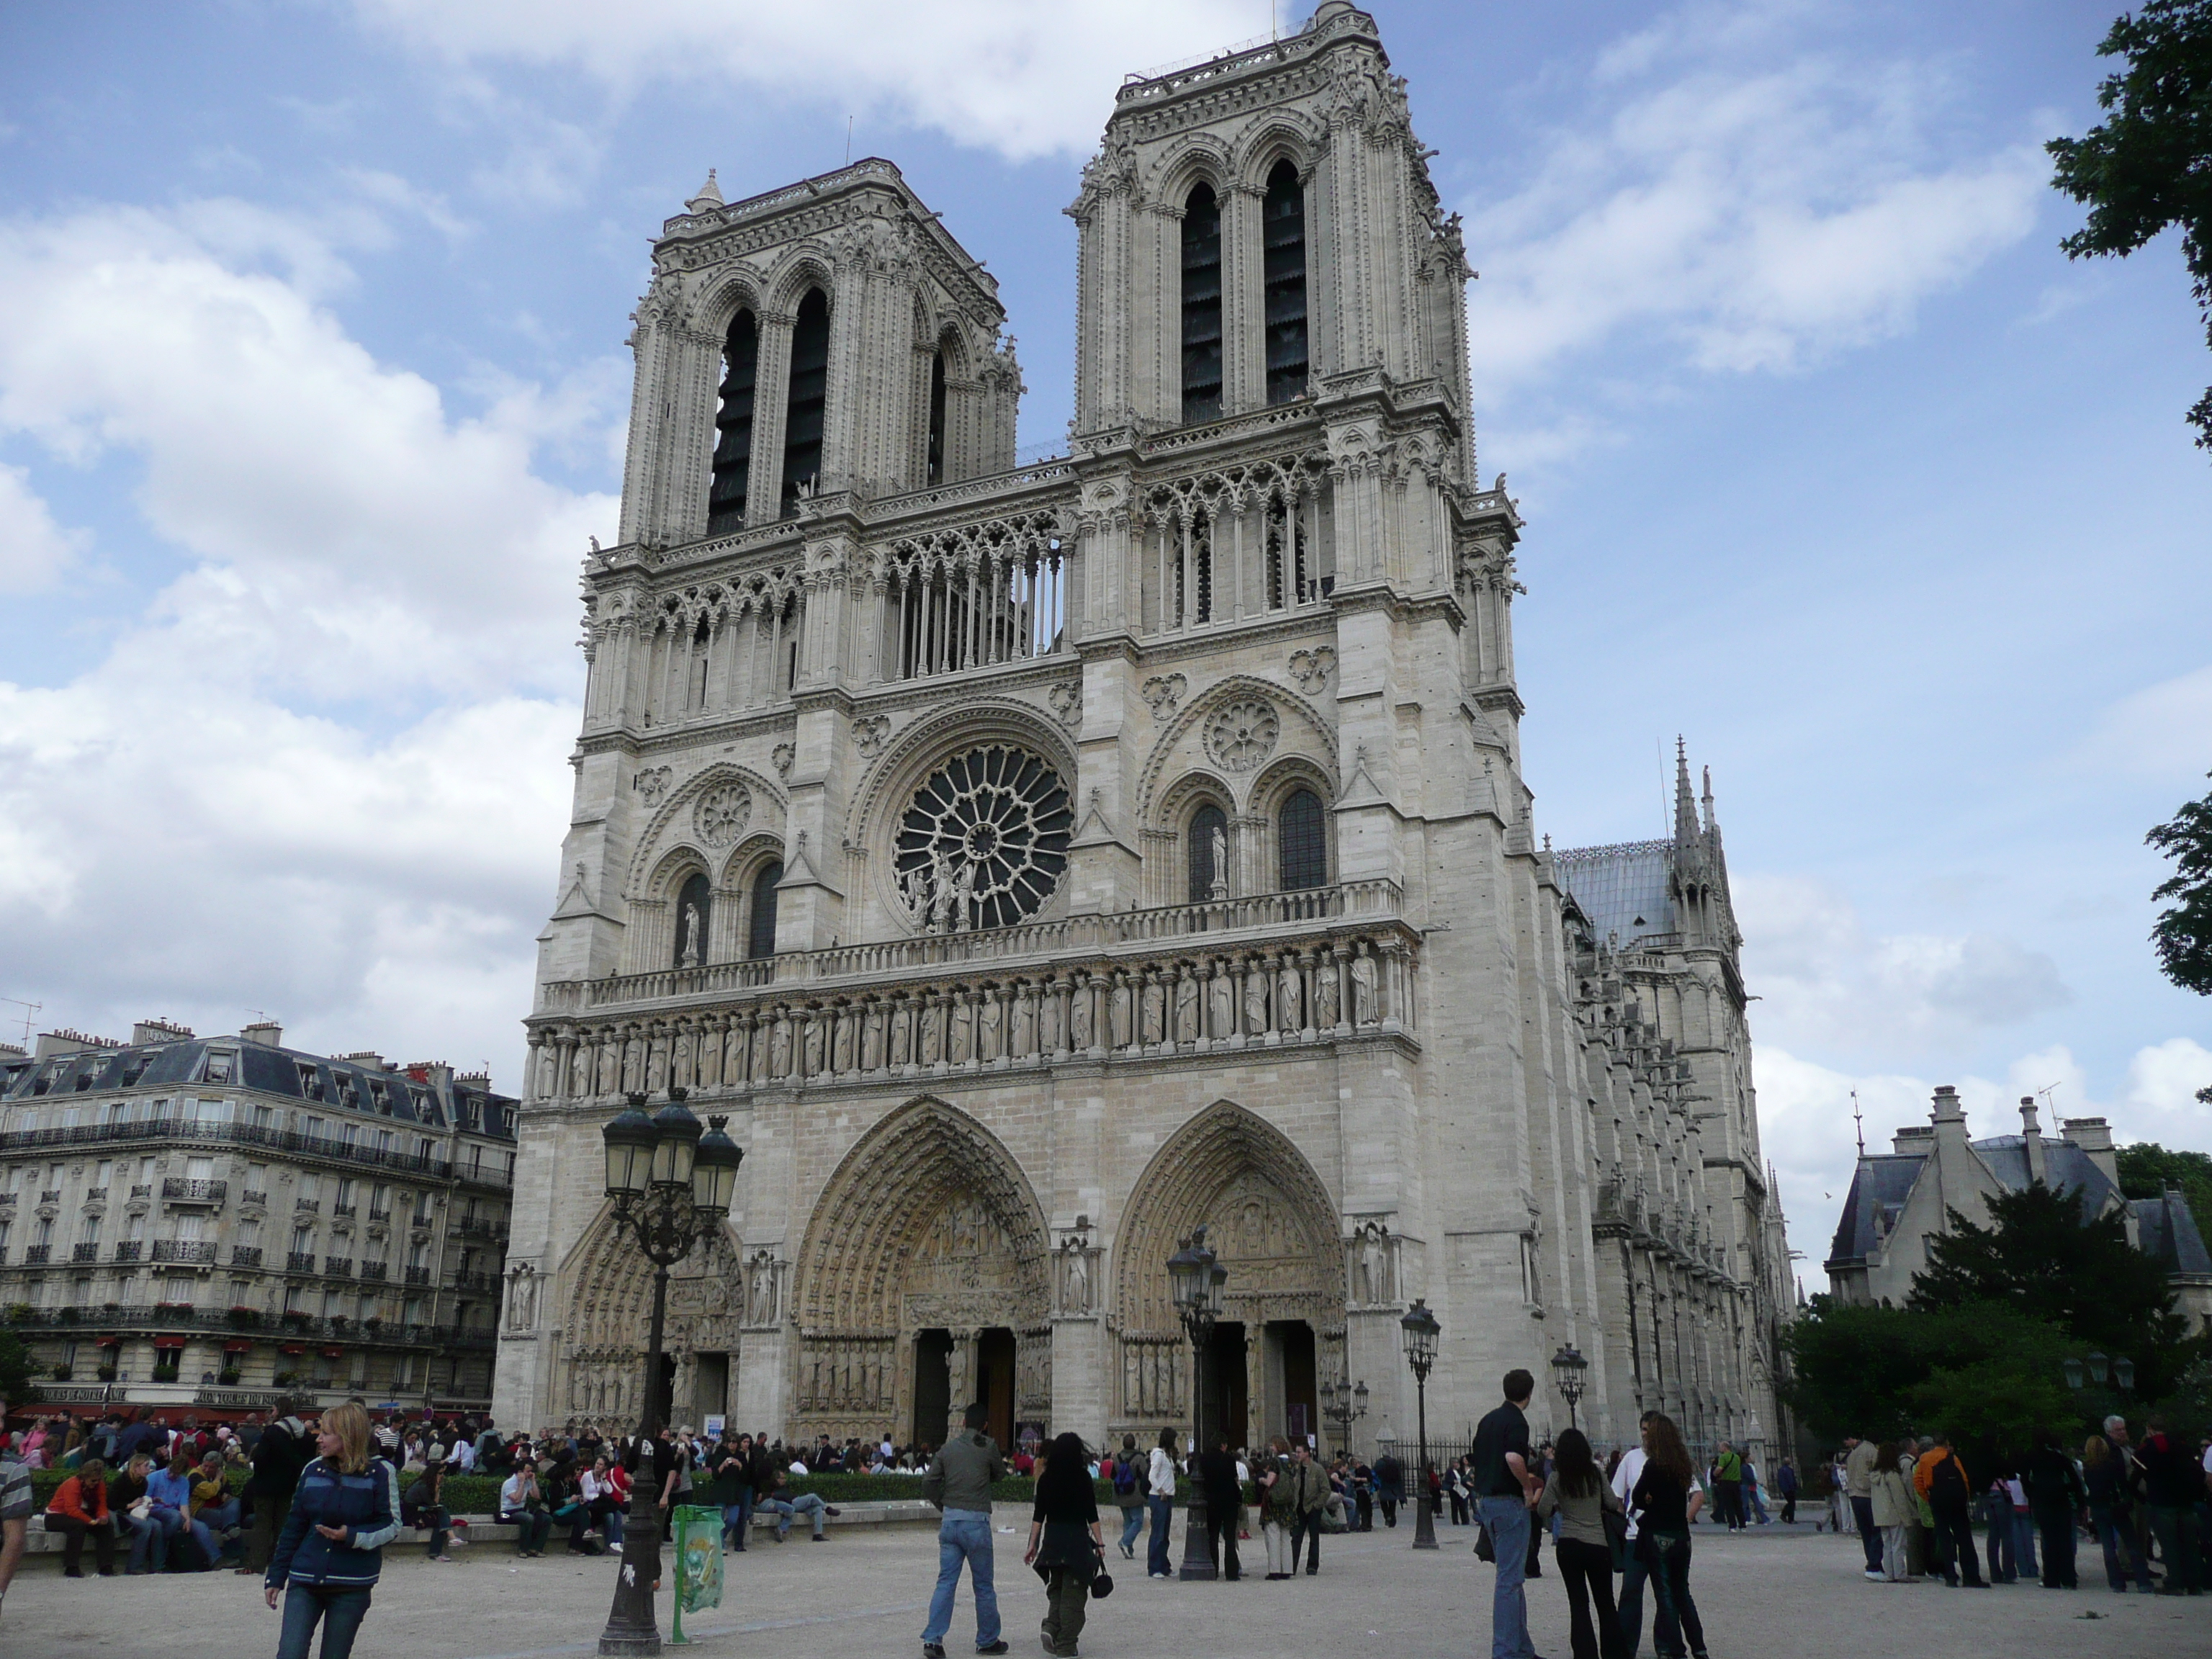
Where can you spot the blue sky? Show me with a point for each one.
(312, 386)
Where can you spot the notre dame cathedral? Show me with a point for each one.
(1035, 863)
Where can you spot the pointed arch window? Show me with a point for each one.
(760, 932)
(1301, 843)
(1283, 237)
(1201, 306)
(694, 905)
(1209, 856)
(734, 427)
(937, 416)
(807, 403)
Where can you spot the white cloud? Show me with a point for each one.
(1023, 79)
(34, 550)
(187, 826)
(1745, 203)
(1827, 983)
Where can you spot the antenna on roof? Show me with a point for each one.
(1860, 1121)
(30, 1014)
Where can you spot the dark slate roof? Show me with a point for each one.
(1622, 889)
(334, 1085)
(2166, 1232)
(2066, 1167)
(1884, 1179)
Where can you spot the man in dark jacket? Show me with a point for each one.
(1225, 1504)
(286, 1447)
(1389, 1486)
(2173, 1484)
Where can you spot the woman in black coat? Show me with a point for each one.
(1065, 1542)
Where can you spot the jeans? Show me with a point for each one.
(1759, 1503)
(809, 1504)
(2056, 1522)
(530, 1529)
(2181, 1543)
(1305, 1534)
(148, 1544)
(964, 1536)
(1155, 1557)
(1588, 1571)
(339, 1611)
(2114, 1531)
(1869, 1535)
(737, 1520)
(1508, 1521)
(1996, 1517)
(1132, 1526)
(1666, 1631)
(220, 1518)
(1670, 1586)
(2023, 1543)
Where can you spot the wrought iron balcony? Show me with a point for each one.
(245, 1256)
(88, 1251)
(344, 1212)
(338, 1266)
(54, 1197)
(373, 1272)
(314, 1204)
(300, 1262)
(95, 1194)
(141, 1190)
(177, 1189)
(418, 1275)
(35, 1254)
(128, 1249)
(184, 1251)
(247, 1196)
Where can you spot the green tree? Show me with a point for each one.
(2041, 1258)
(15, 1368)
(2149, 165)
(2147, 1170)
(2183, 932)
(1974, 1371)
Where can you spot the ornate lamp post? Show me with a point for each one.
(1195, 1281)
(1570, 1367)
(671, 1184)
(1421, 1332)
(1344, 1404)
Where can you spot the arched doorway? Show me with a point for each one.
(922, 1286)
(1271, 1223)
(608, 1325)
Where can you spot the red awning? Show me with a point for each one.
(294, 1348)
(237, 1345)
(334, 1353)
(107, 1342)
(168, 1342)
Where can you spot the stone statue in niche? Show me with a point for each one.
(814, 1042)
(1325, 993)
(1048, 1020)
(1364, 978)
(693, 928)
(522, 1298)
(633, 1065)
(1374, 1263)
(681, 1075)
(872, 1038)
(779, 1047)
(1221, 1000)
(840, 1057)
(902, 1033)
(964, 1028)
(1290, 996)
(932, 1031)
(1256, 1000)
(760, 1305)
(1079, 1017)
(1024, 1024)
(1075, 1283)
(1156, 1010)
(989, 1028)
(1120, 1011)
(1186, 1009)
(710, 1059)
(1219, 890)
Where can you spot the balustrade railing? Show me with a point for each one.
(183, 1250)
(179, 1189)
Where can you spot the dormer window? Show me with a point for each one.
(807, 404)
(734, 427)
(218, 1067)
(1201, 306)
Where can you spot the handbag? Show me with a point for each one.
(1486, 1549)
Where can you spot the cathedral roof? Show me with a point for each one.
(1621, 888)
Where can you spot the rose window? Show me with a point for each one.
(984, 843)
(722, 812)
(1243, 733)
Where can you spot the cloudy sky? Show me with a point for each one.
(312, 387)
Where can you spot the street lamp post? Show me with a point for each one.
(1344, 1404)
(1421, 1332)
(1570, 1367)
(1197, 1282)
(671, 1184)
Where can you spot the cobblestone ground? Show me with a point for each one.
(1777, 1593)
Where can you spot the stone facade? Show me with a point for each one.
(1036, 863)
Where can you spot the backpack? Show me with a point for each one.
(1947, 1484)
(1125, 1477)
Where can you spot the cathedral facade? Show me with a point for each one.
(1036, 863)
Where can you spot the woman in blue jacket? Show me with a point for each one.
(344, 1510)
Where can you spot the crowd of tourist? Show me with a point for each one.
(1916, 1502)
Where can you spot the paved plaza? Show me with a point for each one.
(1775, 1593)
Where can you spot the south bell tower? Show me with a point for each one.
(1037, 863)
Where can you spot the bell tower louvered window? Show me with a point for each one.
(734, 427)
(804, 408)
(1301, 843)
(937, 418)
(1283, 222)
(1201, 306)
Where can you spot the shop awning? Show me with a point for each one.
(294, 1348)
(237, 1345)
(168, 1342)
(334, 1353)
(107, 1342)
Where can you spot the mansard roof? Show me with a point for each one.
(431, 1096)
(1885, 1181)
(1881, 1184)
(2166, 1232)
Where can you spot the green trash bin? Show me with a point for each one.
(696, 1535)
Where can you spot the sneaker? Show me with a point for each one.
(933, 1650)
(1874, 1576)
(1129, 1553)
(1159, 1575)
(996, 1647)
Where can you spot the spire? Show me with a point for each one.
(1712, 826)
(1685, 810)
(709, 197)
